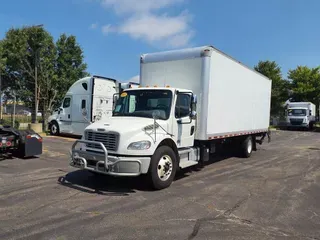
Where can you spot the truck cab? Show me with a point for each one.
(300, 114)
(145, 122)
(92, 95)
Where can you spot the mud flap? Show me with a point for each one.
(30, 143)
(268, 134)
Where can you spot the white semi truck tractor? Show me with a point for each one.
(188, 102)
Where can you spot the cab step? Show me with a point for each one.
(185, 164)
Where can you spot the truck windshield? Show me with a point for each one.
(297, 112)
(142, 103)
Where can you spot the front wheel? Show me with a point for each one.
(163, 167)
(54, 128)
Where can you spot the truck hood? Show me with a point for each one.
(125, 125)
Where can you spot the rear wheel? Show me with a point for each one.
(247, 147)
(163, 168)
(311, 126)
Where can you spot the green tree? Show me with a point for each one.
(30, 53)
(70, 63)
(305, 83)
(279, 92)
(31, 50)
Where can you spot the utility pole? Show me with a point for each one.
(14, 108)
(36, 87)
(36, 51)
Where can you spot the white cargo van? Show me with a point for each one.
(189, 101)
(300, 114)
(93, 96)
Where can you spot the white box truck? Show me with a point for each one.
(300, 114)
(189, 101)
(94, 96)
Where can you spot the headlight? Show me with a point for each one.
(141, 145)
(83, 146)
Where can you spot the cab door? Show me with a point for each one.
(65, 115)
(183, 125)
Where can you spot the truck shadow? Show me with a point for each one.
(87, 182)
(16, 157)
(220, 156)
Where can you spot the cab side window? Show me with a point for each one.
(66, 102)
(183, 105)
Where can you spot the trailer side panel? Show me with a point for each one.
(239, 98)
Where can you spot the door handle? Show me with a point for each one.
(191, 130)
(68, 115)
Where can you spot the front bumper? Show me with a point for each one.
(99, 161)
(297, 125)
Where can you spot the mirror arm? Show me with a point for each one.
(179, 121)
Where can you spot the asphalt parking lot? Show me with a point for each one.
(275, 194)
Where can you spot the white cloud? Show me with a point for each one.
(141, 21)
(93, 25)
(155, 28)
(107, 29)
(135, 79)
(138, 6)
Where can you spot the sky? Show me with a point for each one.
(114, 33)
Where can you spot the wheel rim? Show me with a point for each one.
(164, 169)
(249, 146)
(54, 128)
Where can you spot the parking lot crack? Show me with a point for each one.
(237, 205)
(228, 215)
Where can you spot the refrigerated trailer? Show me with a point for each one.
(189, 102)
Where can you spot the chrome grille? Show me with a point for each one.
(109, 139)
(296, 121)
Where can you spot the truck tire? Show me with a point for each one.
(163, 168)
(54, 128)
(311, 126)
(247, 147)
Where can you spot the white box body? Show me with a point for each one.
(232, 98)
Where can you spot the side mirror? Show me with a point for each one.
(194, 99)
(193, 115)
(115, 97)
